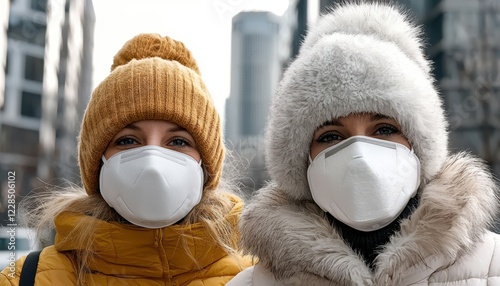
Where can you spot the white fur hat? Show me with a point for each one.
(358, 58)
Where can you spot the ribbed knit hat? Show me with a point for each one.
(359, 58)
(152, 78)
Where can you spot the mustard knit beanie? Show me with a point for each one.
(152, 78)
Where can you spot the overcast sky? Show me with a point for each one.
(204, 26)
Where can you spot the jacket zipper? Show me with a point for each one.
(167, 278)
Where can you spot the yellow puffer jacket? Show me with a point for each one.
(131, 255)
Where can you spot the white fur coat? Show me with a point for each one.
(444, 242)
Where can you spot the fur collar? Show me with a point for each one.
(297, 243)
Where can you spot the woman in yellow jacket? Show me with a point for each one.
(153, 210)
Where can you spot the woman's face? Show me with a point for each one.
(357, 124)
(153, 132)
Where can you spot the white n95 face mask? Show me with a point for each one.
(151, 186)
(364, 182)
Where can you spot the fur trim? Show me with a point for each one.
(360, 58)
(455, 211)
(391, 25)
(295, 240)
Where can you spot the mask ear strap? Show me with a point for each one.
(310, 159)
(104, 159)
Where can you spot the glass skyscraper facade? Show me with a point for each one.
(47, 46)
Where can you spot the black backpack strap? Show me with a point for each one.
(28, 272)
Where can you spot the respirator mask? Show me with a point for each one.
(151, 186)
(364, 182)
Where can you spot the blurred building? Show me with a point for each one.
(297, 14)
(48, 73)
(4, 22)
(262, 46)
(464, 43)
(255, 72)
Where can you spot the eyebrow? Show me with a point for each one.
(132, 126)
(379, 116)
(172, 129)
(335, 122)
(176, 128)
(332, 122)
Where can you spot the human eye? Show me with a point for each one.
(329, 138)
(387, 130)
(126, 141)
(179, 142)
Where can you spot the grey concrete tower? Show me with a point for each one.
(255, 72)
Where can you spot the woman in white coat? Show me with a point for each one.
(363, 188)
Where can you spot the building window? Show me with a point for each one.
(31, 104)
(25, 30)
(19, 140)
(39, 5)
(33, 68)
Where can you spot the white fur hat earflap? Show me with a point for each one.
(358, 58)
